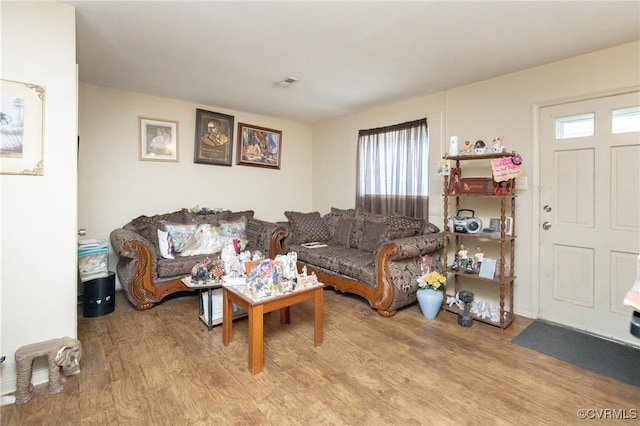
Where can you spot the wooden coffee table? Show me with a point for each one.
(256, 308)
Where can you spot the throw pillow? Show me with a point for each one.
(358, 225)
(331, 218)
(404, 226)
(179, 233)
(165, 244)
(430, 228)
(373, 234)
(235, 228)
(343, 231)
(307, 227)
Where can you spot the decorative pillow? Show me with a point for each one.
(358, 225)
(331, 218)
(373, 233)
(430, 228)
(235, 228)
(148, 226)
(207, 240)
(179, 233)
(165, 244)
(404, 226)
(342, 231)
(307, 227)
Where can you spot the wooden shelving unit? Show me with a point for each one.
(505, 199)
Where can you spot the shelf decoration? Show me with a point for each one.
(504, 169)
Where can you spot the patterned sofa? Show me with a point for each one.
(147, 276)
(374, 256)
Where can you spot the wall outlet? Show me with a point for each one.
(521, 183)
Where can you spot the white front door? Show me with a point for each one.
(590, 217)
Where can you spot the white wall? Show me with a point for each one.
(115, 187)
(506, 106)
(38, 213)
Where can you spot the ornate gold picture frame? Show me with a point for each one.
(21, 128)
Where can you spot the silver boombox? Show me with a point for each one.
(466, 224)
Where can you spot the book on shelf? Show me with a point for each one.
(314, 244)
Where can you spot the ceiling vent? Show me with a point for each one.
(283, 84)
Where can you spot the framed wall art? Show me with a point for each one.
(259, 146)
(21, 128)
(158, 139)
(214, 138)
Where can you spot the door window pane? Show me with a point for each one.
(575, 126)
(625, 120)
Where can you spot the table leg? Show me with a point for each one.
(317, 320)
(210, 302)
(285, 315)
(227, 318)
(256, 324)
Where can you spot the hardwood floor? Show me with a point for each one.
(163, 367)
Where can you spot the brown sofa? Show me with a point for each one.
(374, 256)
(147, 277)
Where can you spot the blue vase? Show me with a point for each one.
(430, 301)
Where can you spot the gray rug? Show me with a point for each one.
(612, 359)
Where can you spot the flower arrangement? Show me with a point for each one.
(204, 210)
(432, 280)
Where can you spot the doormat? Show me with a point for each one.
(584, 350)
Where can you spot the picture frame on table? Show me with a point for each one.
(214, 138)
(259, 146)
(158, 139)
(22, 136)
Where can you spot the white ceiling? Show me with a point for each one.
(348, 56)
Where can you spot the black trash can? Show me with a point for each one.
(99, 296)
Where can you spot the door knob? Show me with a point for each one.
(546, 225)
(547, 208)
(82, 232)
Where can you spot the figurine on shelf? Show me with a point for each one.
(467, 148)
(497, 147)
(479, 148)
(463, 259)
(477, 258)
(454, 181)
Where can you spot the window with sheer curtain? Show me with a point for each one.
(393, 169)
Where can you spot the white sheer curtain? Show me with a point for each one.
(393, 169)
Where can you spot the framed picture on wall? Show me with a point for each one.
(259, 146)
(214, 138)
(158, 139)
(22, 128)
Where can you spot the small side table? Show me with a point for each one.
(210, 286)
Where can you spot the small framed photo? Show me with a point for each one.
(494, 224)
(214, 138)
(488, 268)
(259, 146)
(158, 139)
